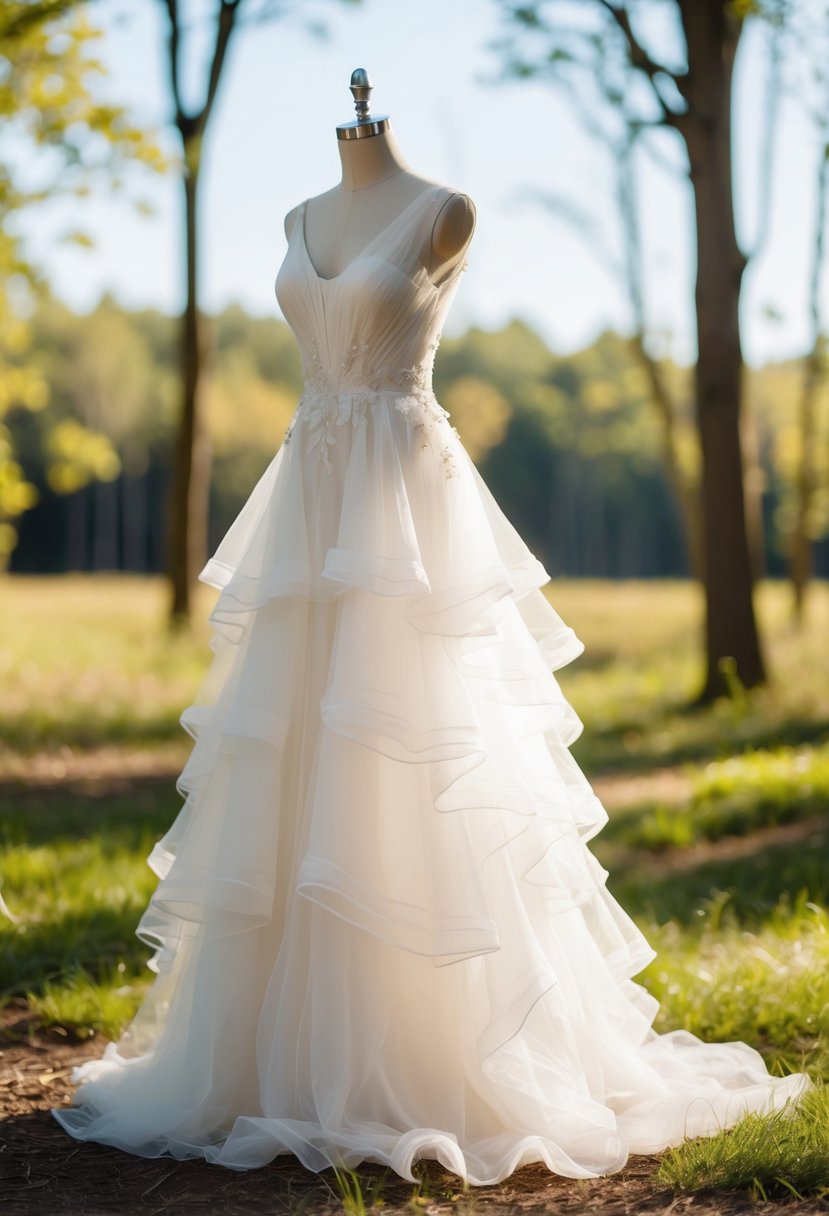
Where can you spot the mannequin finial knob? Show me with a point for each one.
(361, 88)
(364, 126)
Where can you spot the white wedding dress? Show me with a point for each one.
(379, 934)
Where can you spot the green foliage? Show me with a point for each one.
(48, 74)
(79, 456)
(569, 445)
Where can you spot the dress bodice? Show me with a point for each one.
(372, 331)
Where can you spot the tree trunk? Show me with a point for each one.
(806, 482)
(685, 491)
(731, 635)
(800, 541)
(187, 521)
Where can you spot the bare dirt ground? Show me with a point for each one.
(43, 1170)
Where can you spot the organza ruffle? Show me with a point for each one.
(378, 931)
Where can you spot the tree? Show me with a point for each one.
(691, 97)
(189, 487)
(191, 464)
(48, 108)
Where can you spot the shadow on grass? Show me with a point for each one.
(27, 733)
(677, 735)
(82, 933)
(93, 942)
(121, 818)
(750, 881)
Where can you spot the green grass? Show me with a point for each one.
(768, 987)
(737, 911)
(733, 797)
(642, 668)
(88, 661)
(76, 879)
(782, 1155)
(357, 1197)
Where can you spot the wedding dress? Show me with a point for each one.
(379, 934)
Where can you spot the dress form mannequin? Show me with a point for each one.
(376, 186)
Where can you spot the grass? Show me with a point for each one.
(728, 876)
(784, 1155)
(641, 669)
(77, 901)
(733, 797)
(768, 987)
(357, 1198)
(87, 661)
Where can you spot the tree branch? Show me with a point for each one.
(173, 45)
(227, 15)
(645, 63)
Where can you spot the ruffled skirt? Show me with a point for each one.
(378, 932)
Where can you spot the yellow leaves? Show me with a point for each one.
(787, 448)
(686, 446)
(16, 493)
(245, 411)
(78, 456)
(22, 387)
(82, 239)
(16, 334)
(743, 8)
(49, 101)
(8, 541)
(633, 382)
(601, 396)
(479, 412)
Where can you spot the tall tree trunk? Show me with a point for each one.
(187, 520)
(685, 491)
(731, 634)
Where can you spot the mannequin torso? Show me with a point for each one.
(376, 186)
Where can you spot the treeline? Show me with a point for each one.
(570, 445)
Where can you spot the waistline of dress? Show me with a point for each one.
(327, 392)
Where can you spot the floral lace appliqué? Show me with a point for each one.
(332, 400)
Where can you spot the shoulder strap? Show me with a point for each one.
(414, 244)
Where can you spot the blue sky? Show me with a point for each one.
(273, 143)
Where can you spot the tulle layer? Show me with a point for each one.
(378, 931)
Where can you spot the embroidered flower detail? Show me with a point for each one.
(332, 399)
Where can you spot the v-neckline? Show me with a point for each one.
(334, 278)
